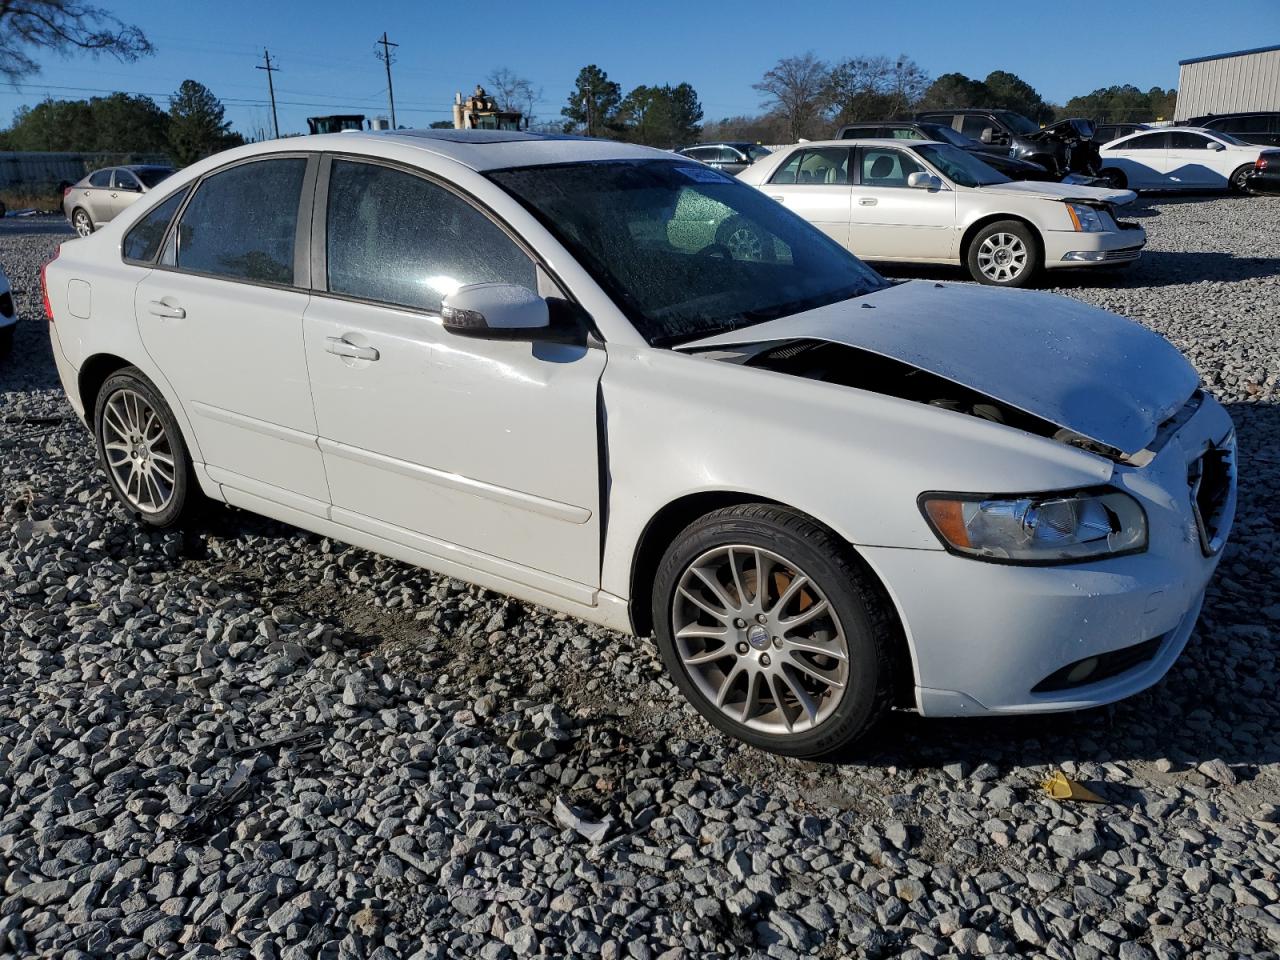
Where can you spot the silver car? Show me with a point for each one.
(729, 156)
(97, 198)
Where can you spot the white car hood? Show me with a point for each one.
(1090, 371)
(1062, 191)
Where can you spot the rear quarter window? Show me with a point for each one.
(142, 242)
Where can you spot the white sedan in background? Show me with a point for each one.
(1179, 158)
(925, 202)
(8, 315)
(537, 364)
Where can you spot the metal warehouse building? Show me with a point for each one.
(1229, 82)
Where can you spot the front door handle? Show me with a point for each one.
(867, 201)
(779, 199)
(158, 308)
(345, 348)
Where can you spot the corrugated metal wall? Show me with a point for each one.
(1248, 81)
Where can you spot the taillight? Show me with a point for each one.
(66, 190)
(1261, 163)
(44, 285)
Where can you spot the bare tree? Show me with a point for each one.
(875, 88)
(511, 91)
(65, 27)
(796, 88)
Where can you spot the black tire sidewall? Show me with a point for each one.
(1018, 229)
(864, 697)
(1242, 173)
(1116, 179)
(183, 482)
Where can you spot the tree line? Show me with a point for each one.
(193, 127)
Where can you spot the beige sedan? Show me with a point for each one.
(101, 195)
(925, 202)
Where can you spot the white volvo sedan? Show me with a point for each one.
(537, 364)
(913, 201)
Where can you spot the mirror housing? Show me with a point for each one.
(924, 181)
(1216, 146)
(987, 135)
(130, 187)
(495, 311)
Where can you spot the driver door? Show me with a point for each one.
(894, 221)
(482, 452)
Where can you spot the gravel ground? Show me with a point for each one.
(247, 741)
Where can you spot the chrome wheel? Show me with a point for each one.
(138, 451)
(760, 640)
(1002, 257)
(83, 225)
(745, 244)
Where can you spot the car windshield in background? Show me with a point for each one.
(937, 131)
(685, 251)
(756, 152)
(1019, 124)
(150, 176)
(960, 166)
(1234, 141)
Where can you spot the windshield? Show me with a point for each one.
(937, 131)
(756, 152)
(1018, 123)
(960, 166)
(686, 251)
(1228, 138)
(153, 175)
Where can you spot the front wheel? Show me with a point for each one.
(1238, 181)
(1004, 254)
(773, 631)
(81, 222)
(142, 450)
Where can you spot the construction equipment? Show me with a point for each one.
(336, 123)
(480, 112)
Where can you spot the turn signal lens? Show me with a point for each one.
(44, 285)
(1038, 528)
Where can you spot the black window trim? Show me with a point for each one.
(318, 245)
(301, 238)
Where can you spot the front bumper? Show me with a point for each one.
(1069, 248)
(992, 638)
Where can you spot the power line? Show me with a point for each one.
(236, 101)
(385, 57)
(266, 55)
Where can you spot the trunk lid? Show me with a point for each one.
(1090, 371)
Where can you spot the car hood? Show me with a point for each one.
(1094, 373)
(1064, 191)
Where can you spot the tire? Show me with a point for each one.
(6, 340)
(751, 666)
(744, 240)
(81, 222)
(149, 473)
(1004, 254)
(1237, 182)
(1116, 179)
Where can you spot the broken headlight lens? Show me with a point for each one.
(1040, 528)
(1086, 218)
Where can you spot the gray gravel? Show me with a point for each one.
(247, 741)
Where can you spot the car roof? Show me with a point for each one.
(869, 141)
(1237, 113)
(144, 166)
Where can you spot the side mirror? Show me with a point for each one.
(495, 311)
(924, 181)
(1216, 146)
(988, 135)
(129, 188)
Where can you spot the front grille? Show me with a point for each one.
(1211, 478)
(1104, 666)
(6, 304)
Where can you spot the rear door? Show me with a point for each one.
(813, 182)
(221, 315)
(890, 220)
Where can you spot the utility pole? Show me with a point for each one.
(266, 55)
(586, 106)
(385, 57)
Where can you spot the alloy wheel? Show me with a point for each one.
(1002, 257)
(82, 223)
(760, 640)
(138, 451)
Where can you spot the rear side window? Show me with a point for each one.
(817, 166)
(241, 223)
(400, 239)
(142, 242)
(100, 178)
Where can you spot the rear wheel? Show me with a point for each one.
(1237, 182)
(81, 222)
(1004, 254)
(1116, 179)
(142, 450)
(773, 631)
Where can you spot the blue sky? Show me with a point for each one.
(326, 49)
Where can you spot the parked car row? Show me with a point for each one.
(687, 411)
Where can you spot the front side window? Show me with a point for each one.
(972, 126)
(820, 166)
(684, 251)
(1181, 140)
(100, 178)
(127, 181)
(143, 240)
(887, 168)
(150, 176)
(905, 133)
(400, 239)
(241, 223)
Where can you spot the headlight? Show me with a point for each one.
(1038, 528)
(1085, 218)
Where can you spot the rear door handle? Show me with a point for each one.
(867, 201)
(158, 308)
(345, 348)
